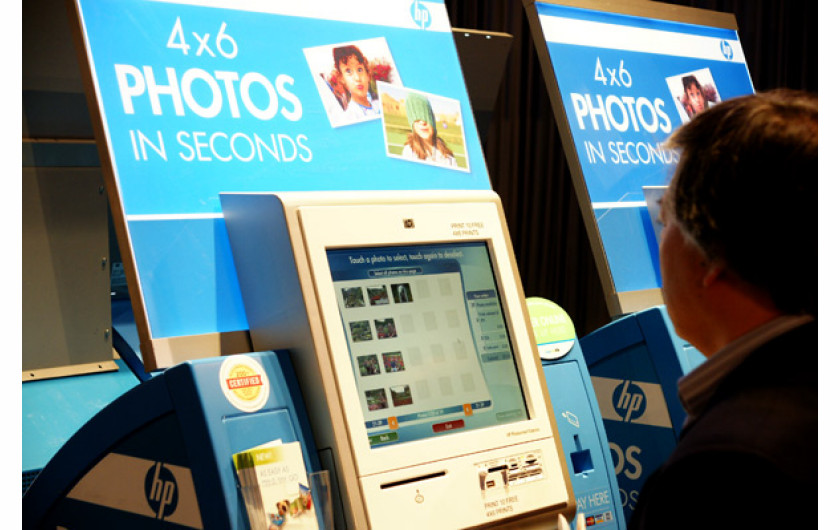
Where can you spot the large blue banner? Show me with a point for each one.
(626, 84)
(201, 97)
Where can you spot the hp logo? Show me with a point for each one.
(629, 401)
(161, 490)
(726, 50)
(421, 15)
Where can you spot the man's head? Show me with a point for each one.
(745, 196)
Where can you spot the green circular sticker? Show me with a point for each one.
(553, 329)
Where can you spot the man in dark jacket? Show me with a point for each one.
(739, 273)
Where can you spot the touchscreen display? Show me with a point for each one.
(428, 340)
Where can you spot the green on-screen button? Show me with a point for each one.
(383, 438)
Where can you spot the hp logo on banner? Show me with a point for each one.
(421, 15)
(629, 401)
(161, 490)
(726, 50)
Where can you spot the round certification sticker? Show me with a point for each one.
(553, 329)
(244, 383)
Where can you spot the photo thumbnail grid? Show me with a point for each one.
(428, 361)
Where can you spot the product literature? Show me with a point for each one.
(275, 487)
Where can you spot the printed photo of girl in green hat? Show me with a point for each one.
(423, 142)
(423, 128)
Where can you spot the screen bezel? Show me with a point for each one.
(382, 225)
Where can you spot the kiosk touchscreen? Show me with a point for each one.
(406, 322)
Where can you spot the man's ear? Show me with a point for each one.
(714, 272)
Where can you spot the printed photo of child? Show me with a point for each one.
(423, 128)
(346, 75)
(693, 92)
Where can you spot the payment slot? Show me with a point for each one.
(406, 322)
(161, 455)
(578, 417)
(635, 363)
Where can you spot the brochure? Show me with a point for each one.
(275, 487)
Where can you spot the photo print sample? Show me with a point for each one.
(360, 331)
(401, 293)
(346, 75)
(693, 92)
(353, 297)
(423, 128)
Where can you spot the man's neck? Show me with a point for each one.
(733, 313)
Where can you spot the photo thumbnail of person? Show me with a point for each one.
(385, 329)
(393, 362)
(423, 127)
(693, 92)
(346, 75)
(368, 365)
(401, 293)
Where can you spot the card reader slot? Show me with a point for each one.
(403, 482)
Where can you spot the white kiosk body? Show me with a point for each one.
(406, 322)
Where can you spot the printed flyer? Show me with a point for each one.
(274, 485)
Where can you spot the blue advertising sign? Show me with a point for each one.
(198, 97)
(626, 83)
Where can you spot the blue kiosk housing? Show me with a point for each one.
(161, 454)
(634, 363)
(585, 440)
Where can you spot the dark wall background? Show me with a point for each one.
(525, 158)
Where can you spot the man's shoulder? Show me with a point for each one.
(767, 408)
(721, 489)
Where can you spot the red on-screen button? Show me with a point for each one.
(448, 426)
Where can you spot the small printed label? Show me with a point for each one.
(244, 383)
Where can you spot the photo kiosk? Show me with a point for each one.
(407, 326)
(635, 363)
(161, 455)
(578, 417)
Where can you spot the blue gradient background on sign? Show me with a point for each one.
(626, 232)
(185, 267)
